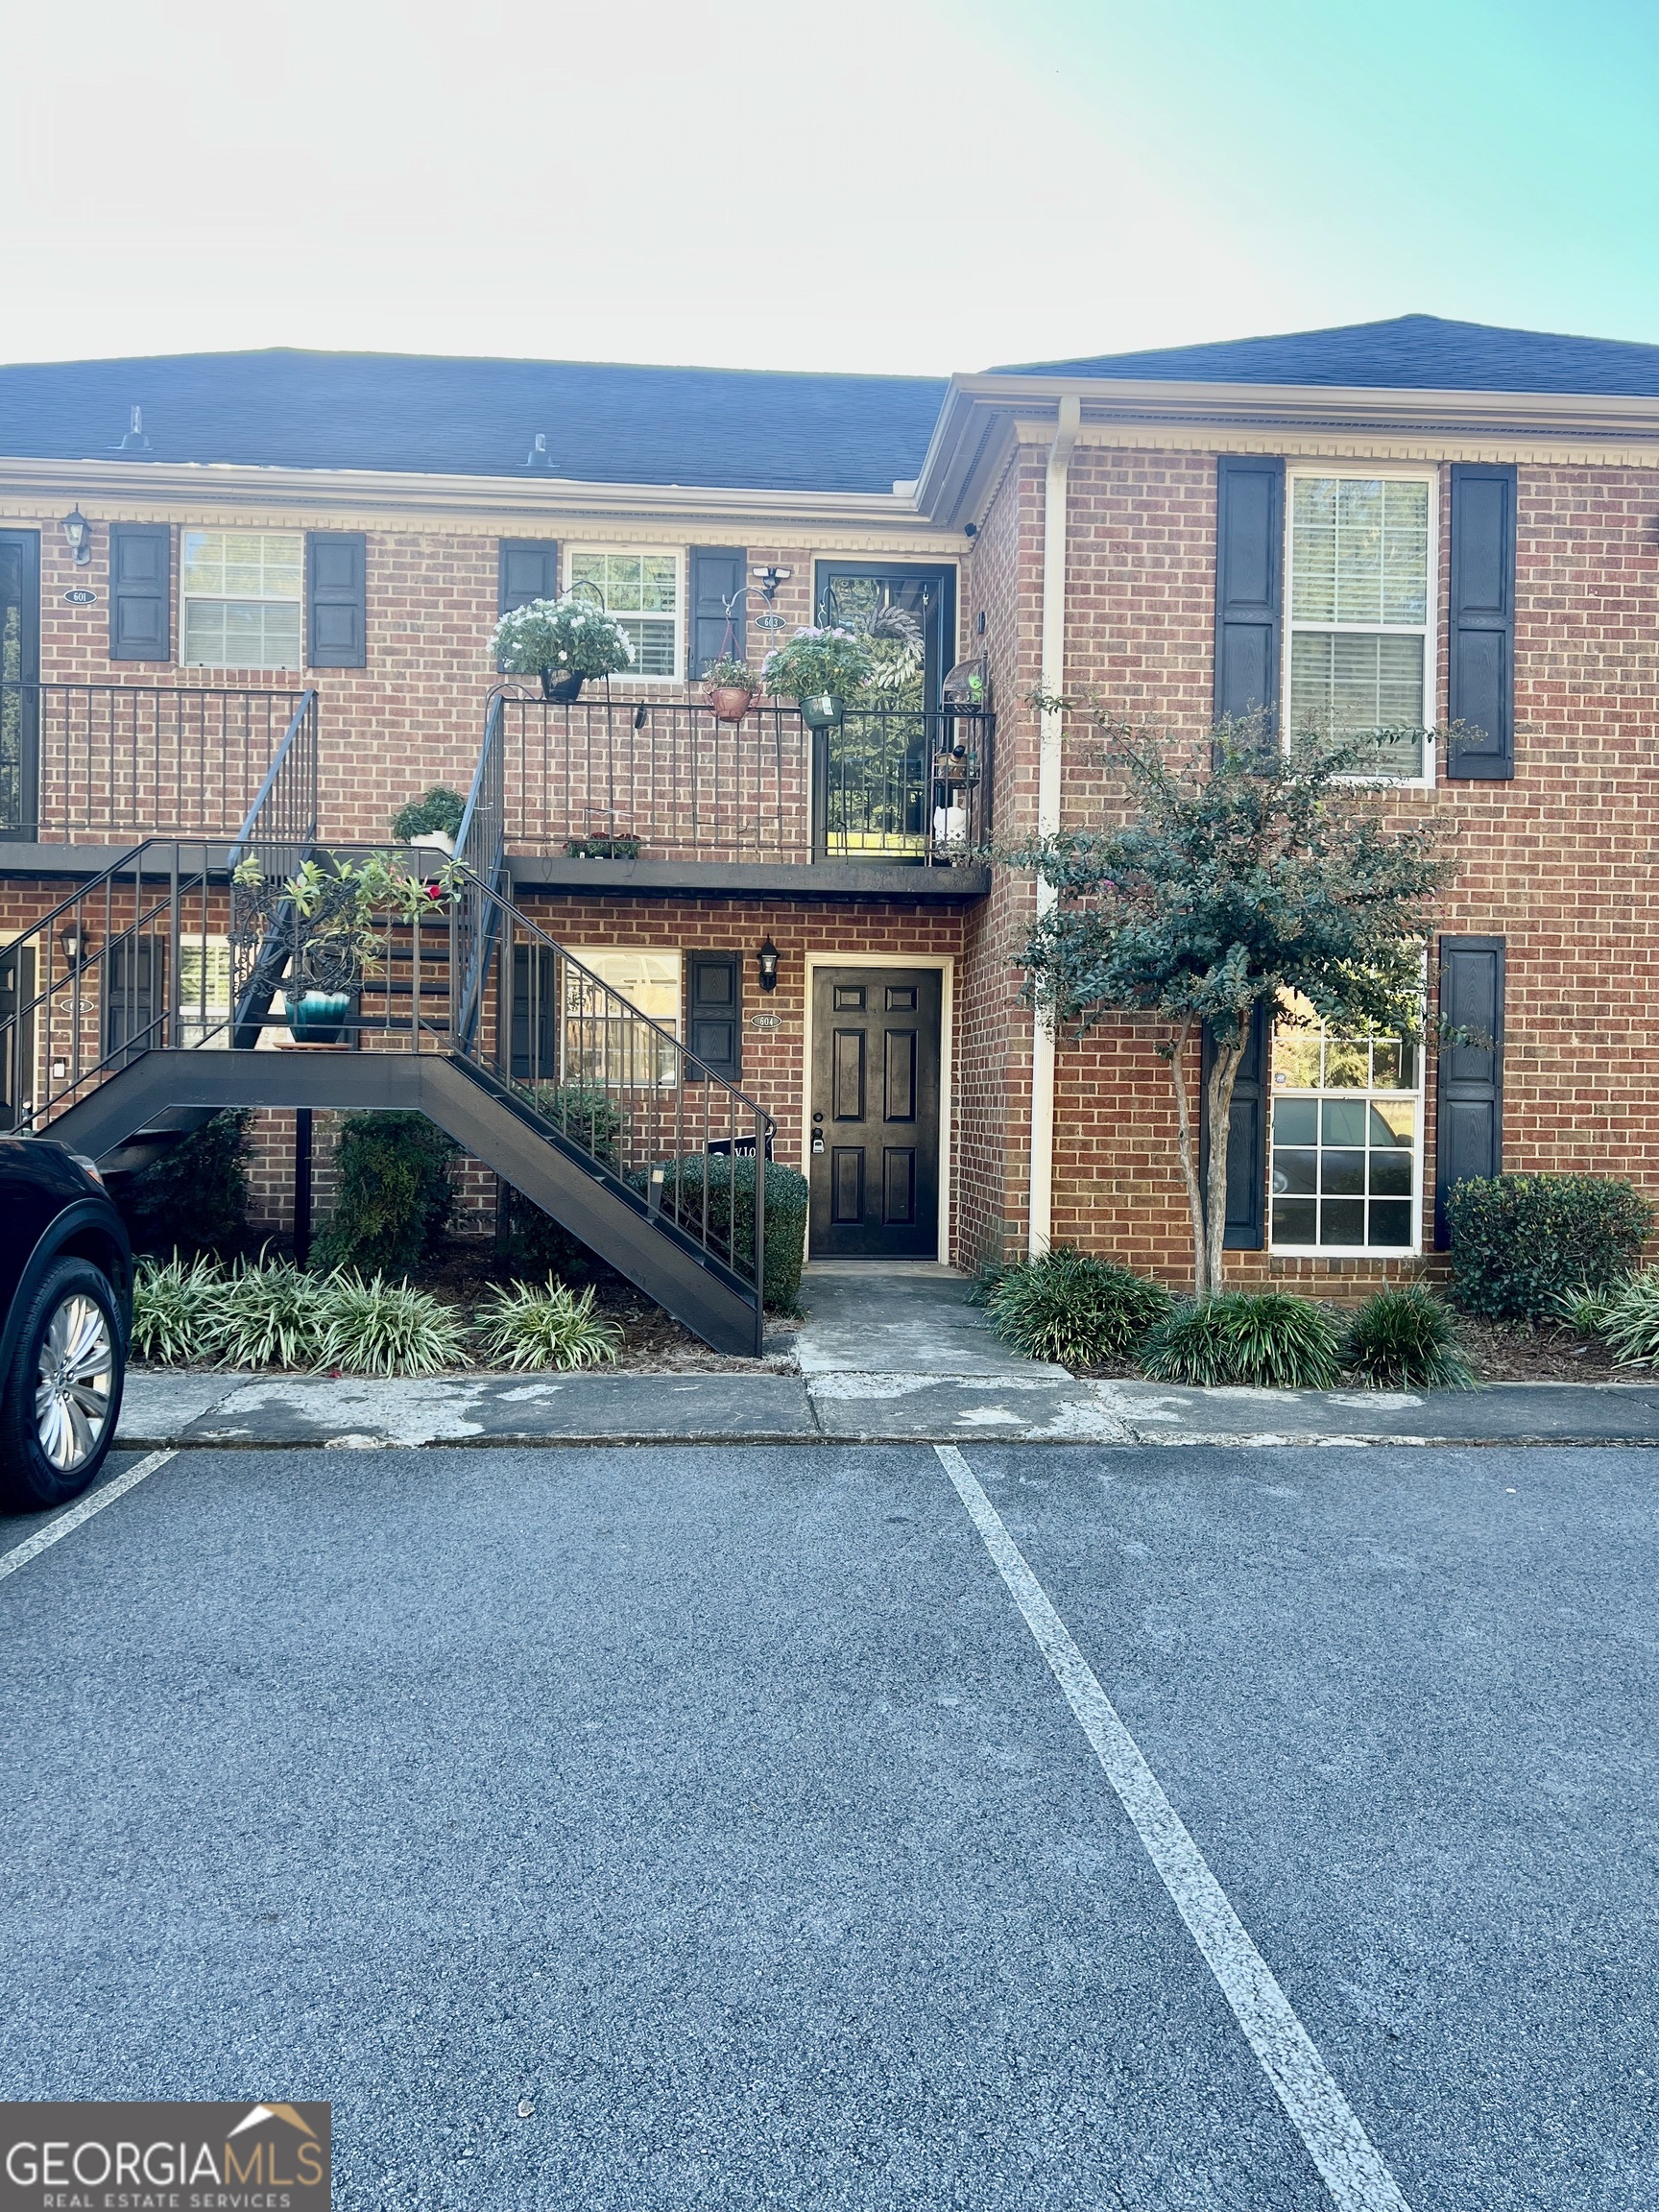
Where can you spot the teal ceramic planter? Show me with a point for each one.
(318, 1017)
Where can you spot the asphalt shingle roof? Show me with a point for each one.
(604, 422)
(1412, 353)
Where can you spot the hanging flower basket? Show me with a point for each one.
(729, 687)
(819, 669)
(563, 642)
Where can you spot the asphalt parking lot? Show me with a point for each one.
(690, 1827)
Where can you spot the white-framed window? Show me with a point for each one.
(241, 598)
(205, 991)
(645, 590)
(601, 1045)
(1359, 598)
(1346, 1170)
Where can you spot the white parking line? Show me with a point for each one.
(1339, 2147)
(94, 1501)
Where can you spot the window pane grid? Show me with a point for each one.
(642, 592)
(241, 594)
(1344, 1151)
(1359, 609)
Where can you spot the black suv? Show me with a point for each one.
(67, 1298)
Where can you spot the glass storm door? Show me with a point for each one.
(878, 759)
(873, 1148)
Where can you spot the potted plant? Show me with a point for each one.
(729, 686)
(430, 822)
(563, 642)
(602, 848)
(337, 914)
(817, 668)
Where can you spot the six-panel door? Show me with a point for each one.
(874, 1143)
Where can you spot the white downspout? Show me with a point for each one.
(1041, 1206)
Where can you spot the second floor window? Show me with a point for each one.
(642, 590)
(1360, 609)
(240, 593)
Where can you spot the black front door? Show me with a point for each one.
(874, 1150)
(20, 674)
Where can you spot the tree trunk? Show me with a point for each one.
(1189, 1149)
(1223, 1075)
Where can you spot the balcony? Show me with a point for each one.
(659, 795)
(88, 769)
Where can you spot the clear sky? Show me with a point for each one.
(935, 185)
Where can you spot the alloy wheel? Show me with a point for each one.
(73, 1381)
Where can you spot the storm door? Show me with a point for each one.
(874, 1149)
(878, 800)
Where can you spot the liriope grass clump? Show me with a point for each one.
(1265, 1340)
(1073, 1308)
(269, 1314)
(175, 1307)
(375, 1326)
(545, 1325)
(1406, 1339)
(1630, 1323)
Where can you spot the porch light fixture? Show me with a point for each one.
(766, 960)
(78, 532)
(74, 944)
(770, 579)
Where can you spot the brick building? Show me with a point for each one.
(246, 605)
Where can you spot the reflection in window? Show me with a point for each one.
(602, 1044)
(1346, 1113)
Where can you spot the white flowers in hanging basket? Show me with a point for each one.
(571, 635)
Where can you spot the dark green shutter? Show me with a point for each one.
(535, 1032)
(715, 1012)
(1246, 1138)
(1249, 583)
(528, 568)
(141, 591)
(1482, 620)
(717, 574)
(336, 599)
(1469, 1131)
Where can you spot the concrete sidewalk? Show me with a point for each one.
(888, 1354)
(1042, 1406)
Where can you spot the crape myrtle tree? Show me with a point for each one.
(1248, 873)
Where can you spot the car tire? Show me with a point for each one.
(62, 1395)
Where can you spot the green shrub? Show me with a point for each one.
(194, 1198)
(1072, 1308)
(586, 1113)
(395, 1193)
(724, 1181)
(174, 1306)
(1405, 1339)
(1267, 1340)
(1630, 1322)
(269, 1314)
(374, 1327)
(442, 809)
(545, 1325)
(1520, 1242)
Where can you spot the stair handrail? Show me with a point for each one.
(602, 1008)
(296, 752)
(480, 855)
(74, 968)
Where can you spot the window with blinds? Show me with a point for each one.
(240, 593)
(1360, 611)
(644, 591)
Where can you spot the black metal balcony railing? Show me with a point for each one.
(111, 762)
(663, 779)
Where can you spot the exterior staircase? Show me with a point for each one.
(122, 1040)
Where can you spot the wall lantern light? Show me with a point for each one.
(766, 960)
(78, 532)
(75, 945)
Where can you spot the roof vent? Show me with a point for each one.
(539, 456)
(135, 441)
